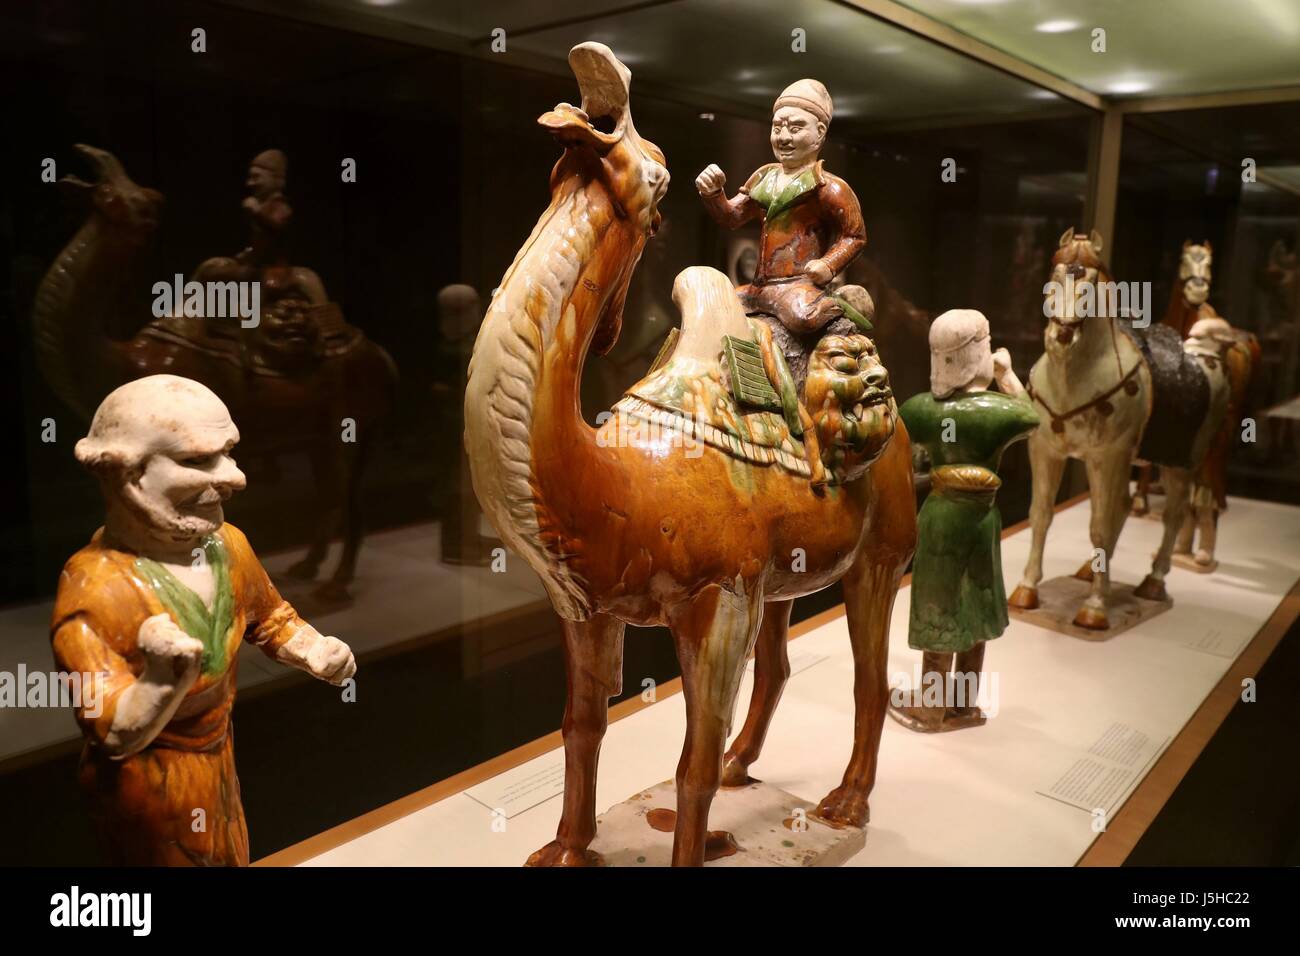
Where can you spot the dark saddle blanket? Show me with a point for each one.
(1180, 400)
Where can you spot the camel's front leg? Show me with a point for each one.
(593, 653)
(869, 591)
(1047, 467)
(713, 633)
(771, 671)
(1108, 481)
(1177, 483)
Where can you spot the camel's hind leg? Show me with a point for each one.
(1178, 482)
(593, 653)
(771, 671)
(713, 633)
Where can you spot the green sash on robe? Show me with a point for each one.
(209, 627)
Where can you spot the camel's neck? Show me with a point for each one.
(71, 308)
(523, 425)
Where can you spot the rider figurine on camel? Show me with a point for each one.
(812, 227)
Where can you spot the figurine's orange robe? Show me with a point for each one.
(144, 806)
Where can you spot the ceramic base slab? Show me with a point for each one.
(1188, 563)
(1059, 599)
(761, 818)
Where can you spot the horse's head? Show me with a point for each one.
(1194, 271)
(603, 148)
(132, 210)
(1072, 296)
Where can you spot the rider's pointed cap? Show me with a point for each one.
(809, 95)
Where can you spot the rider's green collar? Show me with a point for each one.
(764, 192)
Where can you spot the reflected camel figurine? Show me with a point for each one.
(683, 509)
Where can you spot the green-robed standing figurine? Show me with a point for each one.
(958, 598)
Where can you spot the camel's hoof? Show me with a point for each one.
(1085, 572)
(1091, 618)
(734, 773)
(1025, 598)
(303, 570)
(843, 807)
(1151, 589)
(555, 854)
(333, 592)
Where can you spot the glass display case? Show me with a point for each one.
(381, 164)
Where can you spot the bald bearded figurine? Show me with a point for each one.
(812, 223)
(157, 607)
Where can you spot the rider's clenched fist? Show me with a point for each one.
(711, 180)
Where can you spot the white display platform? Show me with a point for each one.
(402, 591)
(972, 797)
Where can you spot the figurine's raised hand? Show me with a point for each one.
(169, 652)
(711, 180)
(1001, 363)
(329, 659)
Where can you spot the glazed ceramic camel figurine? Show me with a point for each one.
(1108, 393)
(703, 520)
(292, 380)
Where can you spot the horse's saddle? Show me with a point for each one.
(702, 371)
(1180, 395)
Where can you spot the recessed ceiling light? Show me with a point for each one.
(1057, 26)
(1129, 86)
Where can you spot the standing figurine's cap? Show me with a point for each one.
(960, 352)
(809, 95)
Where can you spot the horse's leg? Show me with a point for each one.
(714, 633)
(1177, 482)
(1140, 505)
(593, 652)
(1186, 534)
(1047, 467)
(1208, 524)
(771, 671)
(1108, 477)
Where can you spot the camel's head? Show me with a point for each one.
(1194, 271)
(851, 403)
(599, 137)
(132, 210)
(1071, 295)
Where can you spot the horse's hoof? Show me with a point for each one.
(1091, 618)
(1024, 598)
(1204, 558)
(843, 807)
(555, 854)
(1140, 507)
(1085, 572)
(303, 570)
(734, 773)
(1151, 589)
